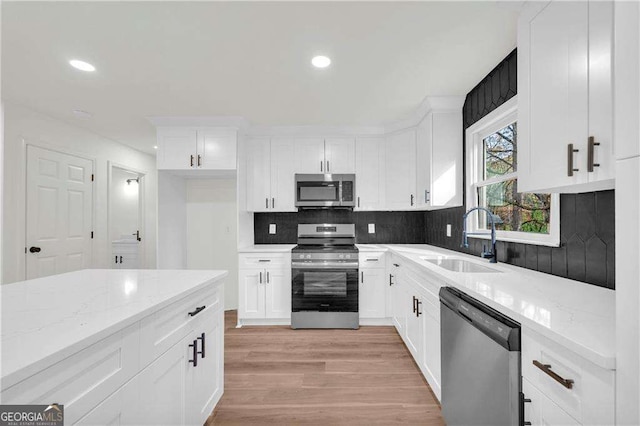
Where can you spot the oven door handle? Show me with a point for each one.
(325, 265)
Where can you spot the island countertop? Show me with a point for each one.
(46, 319)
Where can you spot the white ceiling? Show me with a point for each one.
(245, 59)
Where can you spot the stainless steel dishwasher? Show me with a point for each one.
(481, 371)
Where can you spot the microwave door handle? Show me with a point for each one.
(340, 193)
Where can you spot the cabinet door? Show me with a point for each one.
(216, 149)
(278, 293)
(162, 387)
(431, 366)
(601, 89)
(541, 411)
(309, 156)
(553, 95)
(283, 175)
(446, 160)
(397, 296)
(121, 408)
(204, 383)
(371, 295)
(339, 154)
(400, 155)
(413, 338)
(259, 175)
(424, 145)
(370, 172)
(252, 293)
(176, 149)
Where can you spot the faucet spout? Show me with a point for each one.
(492, 254)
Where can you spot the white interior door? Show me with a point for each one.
(59, 212)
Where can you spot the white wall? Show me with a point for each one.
(212, 230)
(25, 126)
(124, 204)
(172, 221)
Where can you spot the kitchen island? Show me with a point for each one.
(140, 346)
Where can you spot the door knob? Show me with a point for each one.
(35, 249)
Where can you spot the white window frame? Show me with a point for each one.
(501, 117)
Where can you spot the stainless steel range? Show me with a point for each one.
(324, 277)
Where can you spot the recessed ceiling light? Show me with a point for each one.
(155, 147)
(82, 114)
(81, 65)
(321, 61)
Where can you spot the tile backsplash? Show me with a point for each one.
(390, 227)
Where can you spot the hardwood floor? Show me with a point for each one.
(275, 375)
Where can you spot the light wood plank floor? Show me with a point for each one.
(275, 375)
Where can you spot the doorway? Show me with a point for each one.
(126, 233)
(59, 212)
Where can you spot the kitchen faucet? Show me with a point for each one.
(493, 255)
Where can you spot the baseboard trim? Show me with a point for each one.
(287, 321)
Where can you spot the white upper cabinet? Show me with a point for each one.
(309, 155)
(339, 154)
(283, 175)
(216, 149)
(400, 170)
(439, 160)
(176, 148)
(270, 175)
(185, 148)
(369, 168)
(565, 116)
(259, 175)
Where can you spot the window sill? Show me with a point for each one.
(547, 241)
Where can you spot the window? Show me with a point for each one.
(492, 183)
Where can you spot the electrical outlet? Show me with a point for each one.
(272, 228)
(448, 229)
(372, 228)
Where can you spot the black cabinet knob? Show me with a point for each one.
(35, 249)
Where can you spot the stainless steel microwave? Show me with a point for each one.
(325, 190)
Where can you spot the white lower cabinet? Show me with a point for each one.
(542, 411)
(133, 378)
(121, 408)
(372, 288)
(265, 286)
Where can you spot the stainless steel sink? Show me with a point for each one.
(459, 265)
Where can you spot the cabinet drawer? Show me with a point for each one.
(371, 259)
(590, 400)
(541, 411)
(84, 379)
(264, 260)
(166, 327)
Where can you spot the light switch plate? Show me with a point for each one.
(372, 228)
(272, 228)
(448, 229)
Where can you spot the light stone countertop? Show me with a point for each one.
(47, 319)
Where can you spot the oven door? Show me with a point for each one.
(324, 290)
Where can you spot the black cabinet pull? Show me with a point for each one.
(266, 203)
(418, 303)
(362, 277)
(412, 199)
(116, 259)
(396, 265)
(590, 154)
(197, 311)
(390, 279)
(191, 163)
(414, 304)
(570, 168)
(261, 277)
(120, 259)
(273, 203)
(199, 160)
(194, 347)
(267, 277)
(358, 201)
(201, 338)
(321, 165)
(34, 249)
